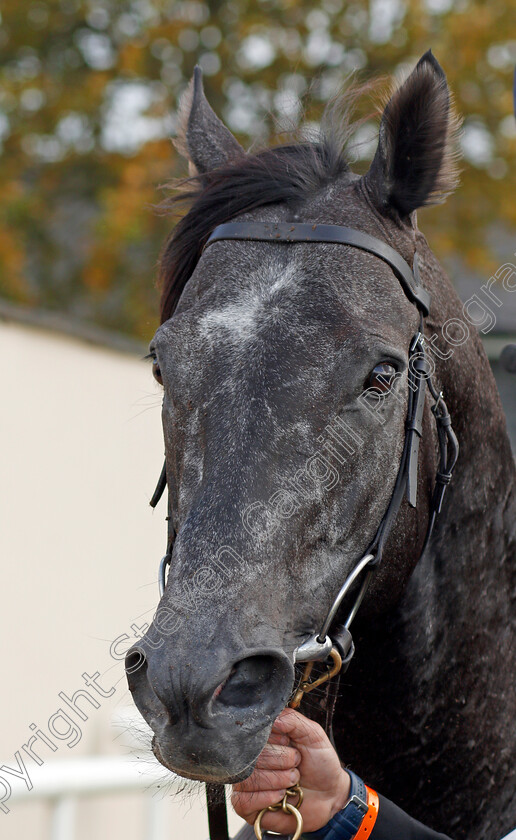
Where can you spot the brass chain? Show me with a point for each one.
(287, 808)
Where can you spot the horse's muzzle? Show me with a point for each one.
(210, 721)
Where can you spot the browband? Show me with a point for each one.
(336, 234)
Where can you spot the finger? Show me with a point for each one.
(278, 738)
(301, 730)
(278, 731)
(278, 758)
(247, 805)
(268, 780)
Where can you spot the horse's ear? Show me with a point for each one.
(202, 138)
(415, 162)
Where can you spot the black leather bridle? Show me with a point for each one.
(319, 645)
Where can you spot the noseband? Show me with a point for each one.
(320, 645)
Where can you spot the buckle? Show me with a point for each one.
(418, 340)
(359, 803)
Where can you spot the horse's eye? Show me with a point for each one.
(381, 377)
(156, 372)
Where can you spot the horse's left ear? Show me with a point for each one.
(202, 138)
(415, 162)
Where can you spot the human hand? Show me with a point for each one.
(298, 751)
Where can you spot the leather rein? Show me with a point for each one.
(339, 645)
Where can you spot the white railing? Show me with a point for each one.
(62, 783)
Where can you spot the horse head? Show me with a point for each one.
(285, 369)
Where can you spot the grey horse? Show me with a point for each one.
(279, 472)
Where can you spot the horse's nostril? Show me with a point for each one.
(136, 672)
(249, 682)
(134, 660)
(144, 695)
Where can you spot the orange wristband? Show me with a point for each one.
(369, 820)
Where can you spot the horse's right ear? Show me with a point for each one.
(202, 138)
(415, 162)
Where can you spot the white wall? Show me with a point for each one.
(81, 451)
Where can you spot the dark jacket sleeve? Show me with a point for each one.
(394, 824)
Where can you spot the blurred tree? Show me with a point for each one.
(88, 92)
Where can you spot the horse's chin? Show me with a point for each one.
(200, 773)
